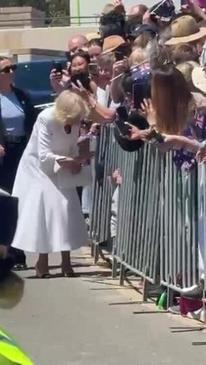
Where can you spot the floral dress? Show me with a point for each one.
(185, 160)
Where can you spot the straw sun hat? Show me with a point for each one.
(112, 42)
(185, 30)
(199, 78)
(92, 36)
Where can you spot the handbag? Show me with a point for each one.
(66, 180)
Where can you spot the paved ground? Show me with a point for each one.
(91, 321)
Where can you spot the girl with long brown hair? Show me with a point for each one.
(170, 109)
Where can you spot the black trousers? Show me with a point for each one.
(8, 219)
(10, 164)
(8, 171)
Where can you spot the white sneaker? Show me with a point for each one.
(193, 315)
(199, 315)
(202, 315)
(175, 309)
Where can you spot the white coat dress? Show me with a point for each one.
(50, 218)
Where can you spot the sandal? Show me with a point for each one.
(68, 273)
(41, 275)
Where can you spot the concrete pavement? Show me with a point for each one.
(90, 321)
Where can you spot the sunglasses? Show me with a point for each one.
(67, 129)
(8, 69)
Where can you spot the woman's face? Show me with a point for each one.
(94, 52)
(79, 64)
(6, 72)
(105, 72)
(198, 46)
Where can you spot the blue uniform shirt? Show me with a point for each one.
(12, 115)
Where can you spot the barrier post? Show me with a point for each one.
(122, 271)
(114, 263)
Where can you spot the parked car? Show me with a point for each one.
(33, 77)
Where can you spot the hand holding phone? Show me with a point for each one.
(136, 134)
(57, 66)
(93, 68)
(81, 79)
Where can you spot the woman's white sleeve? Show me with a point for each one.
(46, 156)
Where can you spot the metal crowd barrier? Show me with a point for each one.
(41, 107)
(157, 223)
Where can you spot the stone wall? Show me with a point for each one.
(54, 38)
(18, 17)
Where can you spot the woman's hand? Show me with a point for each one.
(87, 157)
(148, 112)
(2, 151)
(192, 8)
(119, 6)
(73, 165)
(201, 155)
(136, 134)
(59, 81)
(120, 67)
(85, 94)
(81, 91)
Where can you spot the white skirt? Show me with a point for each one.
(50, 220)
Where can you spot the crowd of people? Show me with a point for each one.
(144, 72)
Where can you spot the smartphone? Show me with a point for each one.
(122, 118)
(140, 91)
(93, 68)
(58, 67)
(119, 56)
(83, 78)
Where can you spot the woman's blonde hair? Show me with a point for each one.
(138, 56)
(142, 40)
(70, 108)
(186, 69)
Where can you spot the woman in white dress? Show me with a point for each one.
(50, 218)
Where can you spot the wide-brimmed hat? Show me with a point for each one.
(185, 30)
(186, 69)
(92, 36)
(199, 78)
(112, 42)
